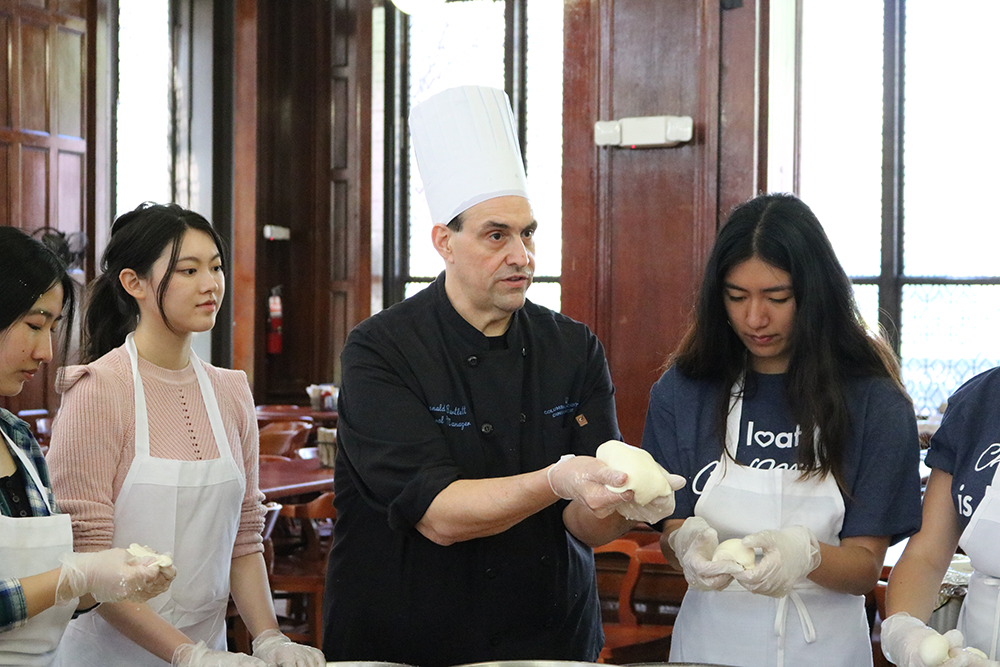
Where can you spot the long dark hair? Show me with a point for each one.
(138, 238)
(829, 341)
(29, 269)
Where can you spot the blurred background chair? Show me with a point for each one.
(40, 424)
(298, 574)
(622, 564)
(238, 636)
(284, 438)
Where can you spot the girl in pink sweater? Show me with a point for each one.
(152, 445)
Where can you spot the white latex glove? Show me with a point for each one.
(903, 635)
(199, 655)
(276, 649)
(586, 479)
(112, 575)
(656, 509)
(695, 543)
(789, 555)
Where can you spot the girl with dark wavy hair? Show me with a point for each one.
(789, 421)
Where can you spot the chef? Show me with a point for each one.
(467, 491)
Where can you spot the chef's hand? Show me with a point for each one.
(586, 479)
(789, 555)
(695, 543)
(199, 655)
(903, 635)
(656, 509)
(112, 575)
(276, 649)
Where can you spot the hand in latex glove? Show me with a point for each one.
(789, 555)
(695, 543)
(199, 655)
(903, 636)
(584, 478)
(657, 508)
(275, 648)
(112, 575)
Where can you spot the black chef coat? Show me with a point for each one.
(427, 399)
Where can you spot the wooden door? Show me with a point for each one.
(313, 178)
(53, 120)
(638, 224)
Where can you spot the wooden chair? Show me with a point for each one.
(283, 438)
(300, 576)
(627, 640)
(238, 636)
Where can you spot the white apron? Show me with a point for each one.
(188, 508)
(32, 545)
(813, 626)
(979, 619)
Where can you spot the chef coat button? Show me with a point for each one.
(522, 418)
(473, 361)
(546, 560)
(495, 640)
(487, 428)
(524, 351)
(492, 572)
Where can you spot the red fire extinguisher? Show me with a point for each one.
(274, 321)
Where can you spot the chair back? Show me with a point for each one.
(283, 438)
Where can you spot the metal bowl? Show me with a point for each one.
(350, 663)
(530, 663)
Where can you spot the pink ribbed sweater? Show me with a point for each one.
(93, 439)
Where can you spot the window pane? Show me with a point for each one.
(867, 299)
(543, 152)
(951, 139)
(840, 152)
(948, 336)
(546, 294)
(143, 123)
(460, 44)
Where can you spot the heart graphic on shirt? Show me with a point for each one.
(763, 438)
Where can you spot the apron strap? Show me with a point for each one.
(781, 618)
(32, 471)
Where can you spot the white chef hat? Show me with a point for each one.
(466, 148)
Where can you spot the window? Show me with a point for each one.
(893, 151)
(515, 45)
(142, 116)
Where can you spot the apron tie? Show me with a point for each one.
(995, 583)
(780, 619)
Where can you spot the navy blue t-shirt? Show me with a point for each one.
(881, 459)
(967, 444)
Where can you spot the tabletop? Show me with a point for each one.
(270, 413)
(283, 478)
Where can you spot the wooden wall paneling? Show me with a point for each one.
(243, 292)
(743, 84)
(50, 127)
(5, 65)
(653, 211)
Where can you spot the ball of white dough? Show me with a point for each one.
(735, 551)
(934, 650)
(140, 551)
(646, 478)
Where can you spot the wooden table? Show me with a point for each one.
(271, 413)
(282, 479)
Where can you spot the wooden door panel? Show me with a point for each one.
(69, 76)
(34, 170)
(69, 198)
(5, 87)
(33, 91)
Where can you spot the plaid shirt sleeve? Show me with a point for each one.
(13, 606)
